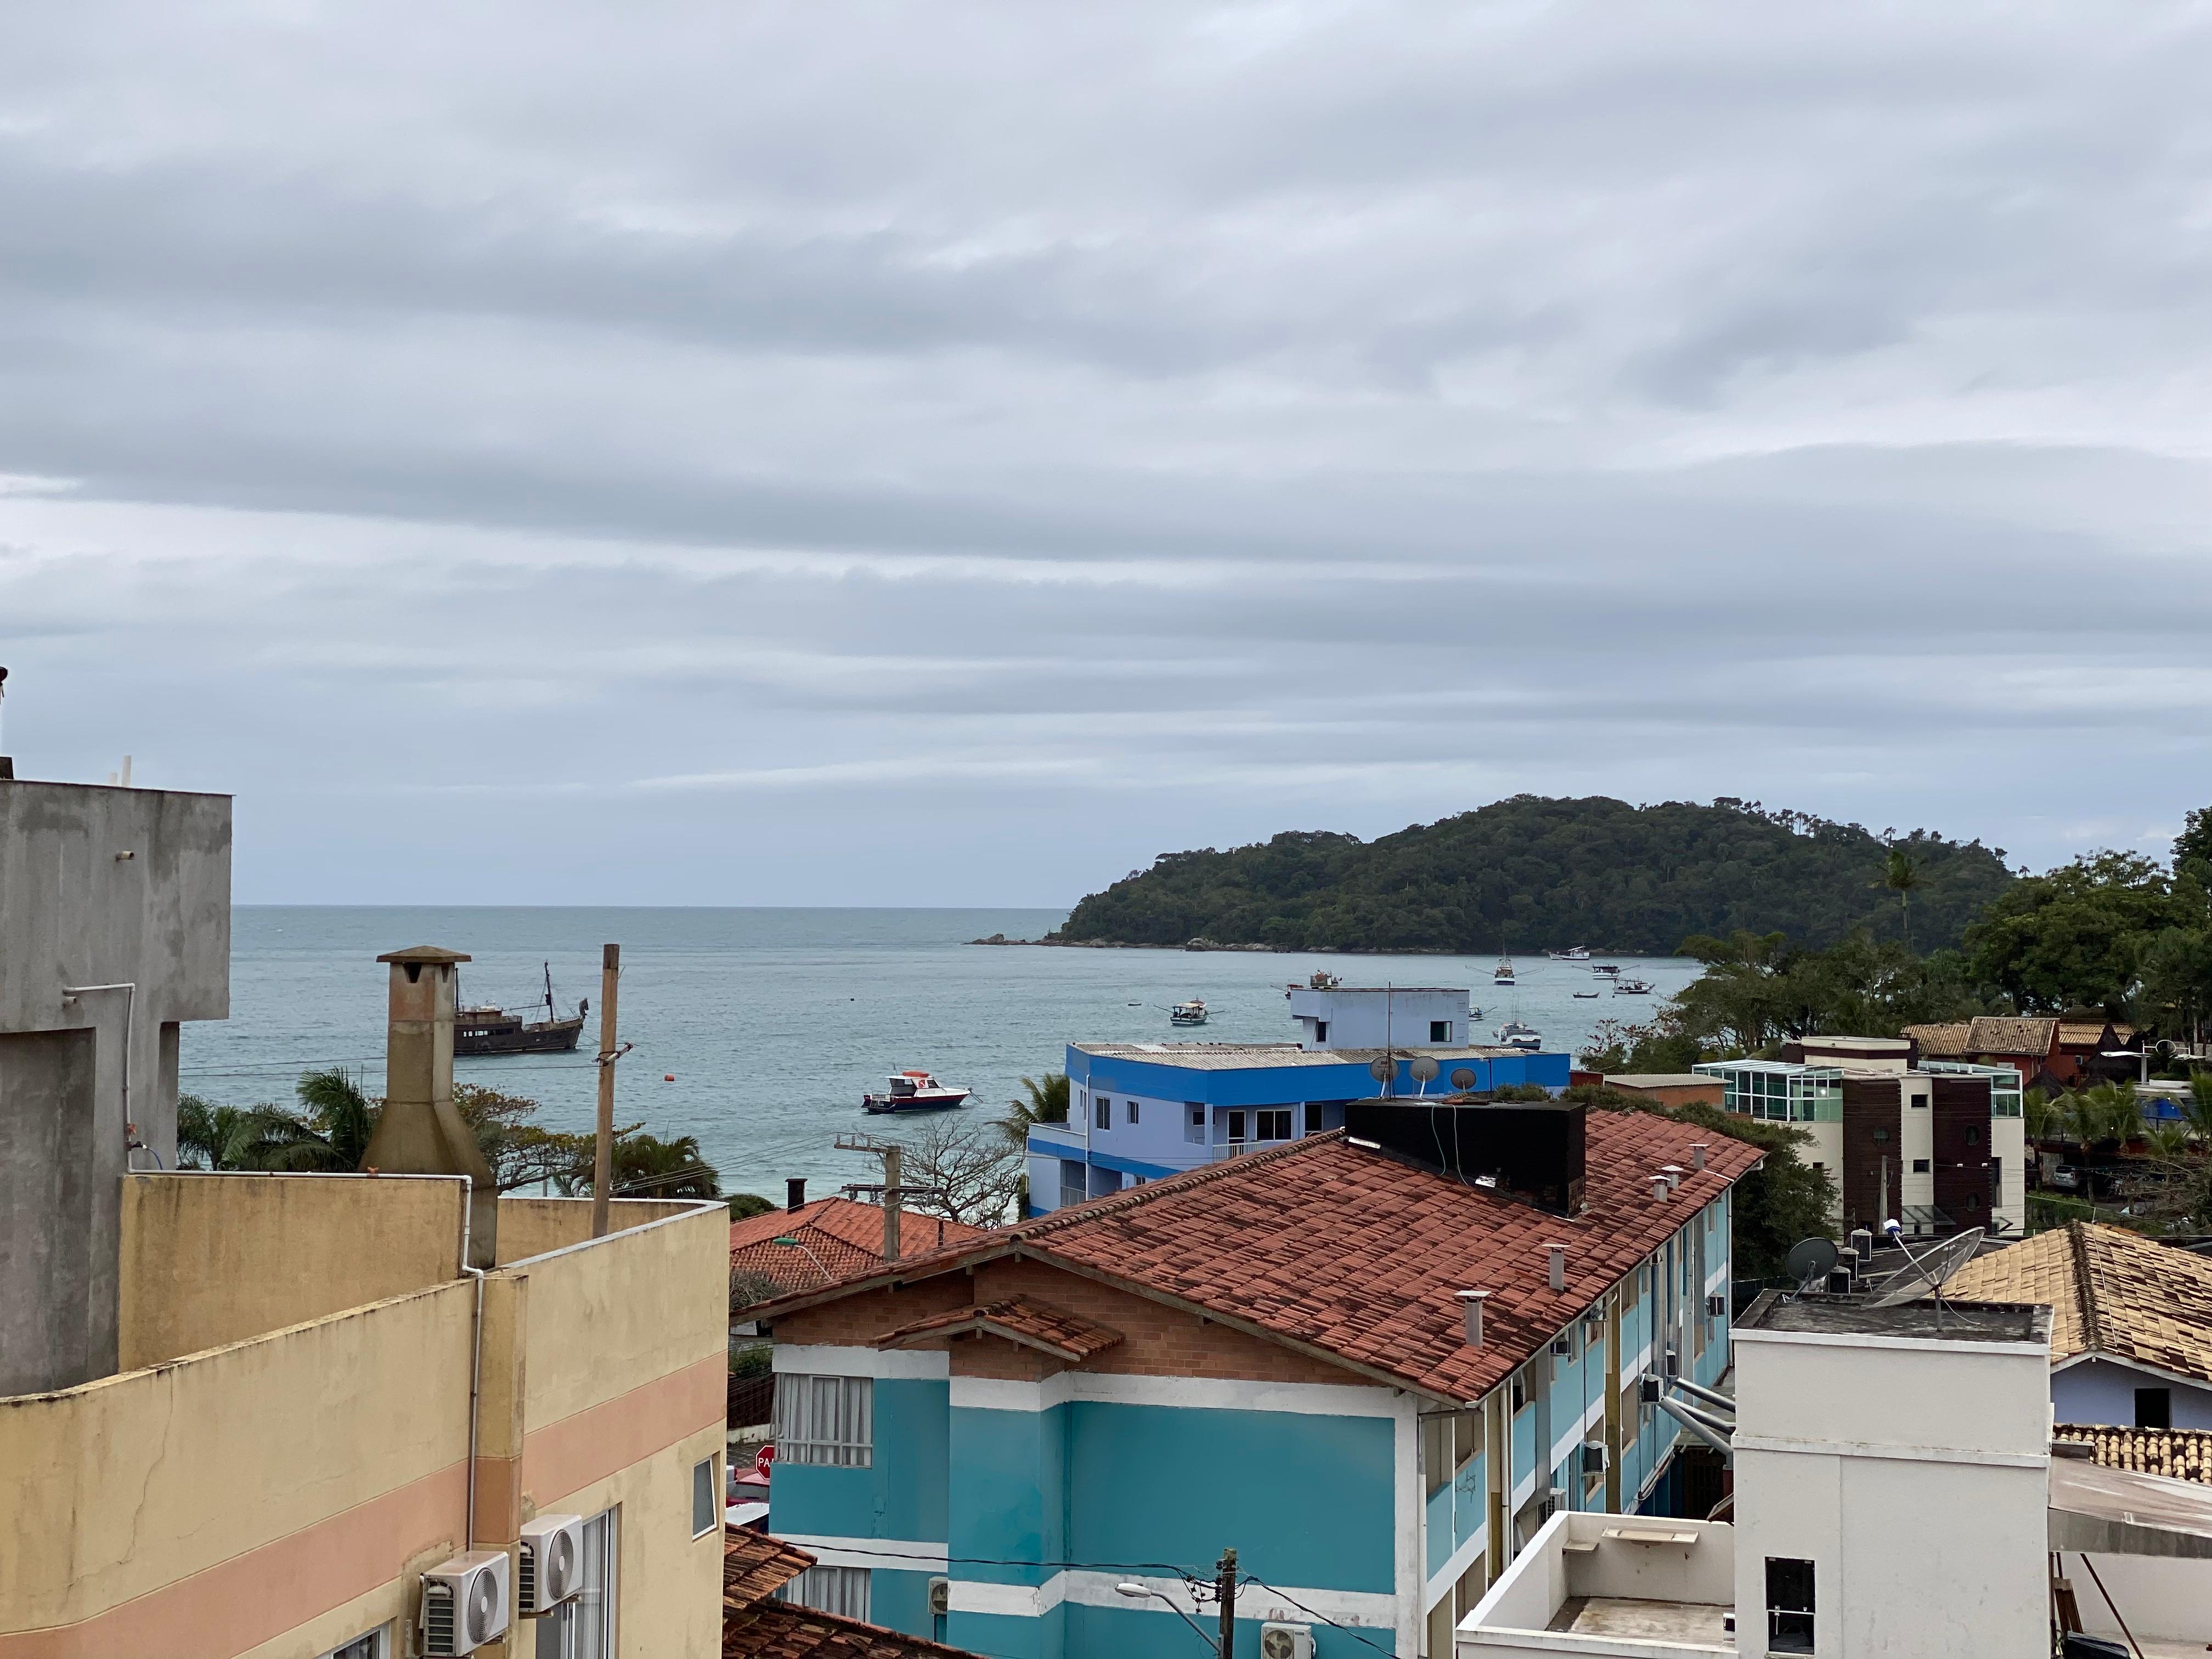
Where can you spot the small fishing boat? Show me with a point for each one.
(1572, 953)
(1605, 970)
(1514, 1035)
(495, 1030)
(1188, 1013)
(1503, 973)
(1632, 987)
(1584, 995)
(911, 1091)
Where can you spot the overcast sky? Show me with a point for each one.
(836, 454)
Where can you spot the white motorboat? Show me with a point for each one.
(1572, 953)
(1632, 987)
(915, 1091)
(1605, 970)
(1188, 1013)
(1514, 1035)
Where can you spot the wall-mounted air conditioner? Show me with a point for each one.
(1673, 1363)
(464, 1602)
(1554, 1501)
(940, 1596)
(549, 1567)
(1597, 1458)
(1647, 1390)
(1716, 1306)
(1286, 1641)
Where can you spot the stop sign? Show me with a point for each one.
(764, 1457)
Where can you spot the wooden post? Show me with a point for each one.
(894, 1200)
(1224, 1584)
(602, 1155)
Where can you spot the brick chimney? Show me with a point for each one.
(420, 1132)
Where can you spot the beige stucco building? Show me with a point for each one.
(288, 1446)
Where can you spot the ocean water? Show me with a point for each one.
(757, 1030)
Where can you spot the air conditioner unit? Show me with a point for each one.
(1647, 1390)
(1286, 1642)
(1597, 1458)
(940, 1596)
(464, 1602)
(1717, 1307)
(1673, 1363)
(548, 1567)
(1554, 1501)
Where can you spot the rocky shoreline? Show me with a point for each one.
(1207, 945)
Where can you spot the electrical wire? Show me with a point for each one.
(1319, 1619)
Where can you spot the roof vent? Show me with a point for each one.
(1662, 1188)
(1556, 1274)
(1472, 1301)
(1673, 1172)
(1698, 1154)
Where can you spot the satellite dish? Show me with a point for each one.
(1422, 1069)
(1383, 1070)
(1462, 1078)
(1811, 1260)
(1928, 1275)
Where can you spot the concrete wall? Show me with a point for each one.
(2163, 1598)
(532, 1226)
(74, 912)
(212, 1259)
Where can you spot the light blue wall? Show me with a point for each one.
(2104, 1391)
(1133, 1633)
(901, 1495)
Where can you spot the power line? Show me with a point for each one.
(1321, 1618)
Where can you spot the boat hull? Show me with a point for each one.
(941, 1102)
(556, 1036)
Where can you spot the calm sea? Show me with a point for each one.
(757, 1030)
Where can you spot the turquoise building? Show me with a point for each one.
(1372, 1372)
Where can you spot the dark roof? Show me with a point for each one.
(1356, 1256)
(1020, 1319)
(754, 1567)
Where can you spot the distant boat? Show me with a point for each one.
(1188, 1013)
(1632, 987)
(914, 1091)
(1572, 953)
(1514, 1035)
(1580, 995)
(1503, 973)
(1607, 969)
(494, 1030)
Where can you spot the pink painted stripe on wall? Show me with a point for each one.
(595, 1442)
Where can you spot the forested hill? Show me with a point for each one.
(1530, 873)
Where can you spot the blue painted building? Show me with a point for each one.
(1143, 1111)
(1275, 1352)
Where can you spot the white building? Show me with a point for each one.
(1381, 1015)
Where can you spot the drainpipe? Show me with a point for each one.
(71, 993)
(476, 1358)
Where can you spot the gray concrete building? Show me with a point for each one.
(114, 929)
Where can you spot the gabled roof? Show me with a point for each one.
(754, 1567)
(1991, 1034)
(845, 1237)
(1355, 1256)
(2111, 1291)
(2176, 1454)
(2088, 1033)
(1945, 1040)
(1019, 1319)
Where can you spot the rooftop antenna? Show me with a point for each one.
(1926, 1274)
(1422, 1070)
(6, 766)
(1463, 1079)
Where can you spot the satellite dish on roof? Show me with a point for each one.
(1462, 1078)
(1810, 1261)
(1926, 1275)
(1383, 1069)
(1423, 1068)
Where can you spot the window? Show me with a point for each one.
(1273, 1124)
(1129, 1113)
(1440, 1031)
(1973, 1137)
(583, 1627)
(2153, 1408)
(1789, 1605)
(841, 1590)
(1236, 1126)
(1881, 1137)
(371, 1646)
(1520, 1390)
(1074, 1179)
(1103, 1117)
(1920, 1166)
(704, 1519)
(825, 1419)
(1436, 1452)
(1321, 1030)
(1196, 1128)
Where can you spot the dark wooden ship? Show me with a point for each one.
(492, 1030)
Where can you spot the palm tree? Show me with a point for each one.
(340, 1114)
(1901, 874)
(2045, 1120)
(646, 1166)
(1047, 1103)
(2196, 1110)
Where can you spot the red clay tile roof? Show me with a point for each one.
(755, 1565)
(2176, 1454)
(1017, 1319)
(845, 1237)
(1356, 1255)
(1992, 1034)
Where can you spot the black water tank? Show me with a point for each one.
(1534, 1148)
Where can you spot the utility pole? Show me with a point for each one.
(893, 1191)
(1224, 1586)
(602, 1155)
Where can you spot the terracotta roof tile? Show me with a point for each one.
(2176, 1454)
(1993, 1035)
(1017, 1319)
(778, 1629)
(2111, 1291)
(1943, 1040)
(845, 1237)
(755, 1565)
(1359, 1255)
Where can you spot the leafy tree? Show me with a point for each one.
(1537, 871)
(2194, 843)
(1759, 989)
(1047, 1103)
(745, 1205)
(2077, 935)
(1659, 1045)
